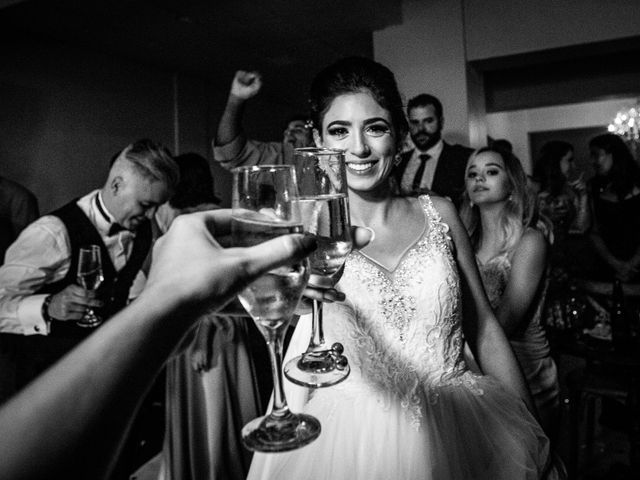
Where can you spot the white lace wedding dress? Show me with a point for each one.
(410, 408)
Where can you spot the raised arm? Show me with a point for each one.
(482, 331)
(528, 268)
(244, 86)
(69, 423)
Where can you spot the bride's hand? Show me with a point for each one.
(361, 237)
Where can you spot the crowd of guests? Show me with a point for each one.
(452, 373)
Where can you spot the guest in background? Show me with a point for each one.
(433, 166)
(615, 193)
(500, 216)
(18, 208)
(502, 144)
(232, 148)
(564, 201)
(39, 296)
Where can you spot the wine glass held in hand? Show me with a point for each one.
(265, 205)
(324, 205)
(89, 277)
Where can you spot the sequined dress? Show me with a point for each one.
(529, 342)
(410, 409)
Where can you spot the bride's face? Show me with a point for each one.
(356, 123)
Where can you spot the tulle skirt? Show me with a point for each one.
(473, 429)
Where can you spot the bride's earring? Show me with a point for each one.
(471, 204)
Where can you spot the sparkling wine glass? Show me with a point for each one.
(265, 205)
(89, 277)
(324, 204)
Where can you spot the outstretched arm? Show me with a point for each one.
(244, 86)
(70, 422)
(486, 338)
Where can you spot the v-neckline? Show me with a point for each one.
(405, 252)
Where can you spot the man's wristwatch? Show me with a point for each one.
(45, 308)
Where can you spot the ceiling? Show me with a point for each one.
(288, 41)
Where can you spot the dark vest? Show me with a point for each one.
(38, 351)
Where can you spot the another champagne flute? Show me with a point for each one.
(324, 202)
(90, 277)
(265, 205)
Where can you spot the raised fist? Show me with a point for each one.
(246, 84)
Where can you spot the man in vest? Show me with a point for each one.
(433, 165)
(40, 300)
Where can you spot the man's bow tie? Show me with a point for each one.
(115, 228)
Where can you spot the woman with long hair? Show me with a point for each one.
(501, 218)
(615, 192)
(564, 201)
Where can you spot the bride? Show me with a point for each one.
(411, 409)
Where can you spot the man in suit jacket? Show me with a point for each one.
(433, 165)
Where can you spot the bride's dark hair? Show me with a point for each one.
(354, 75)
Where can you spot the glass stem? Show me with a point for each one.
(317, 333)
(275, 337)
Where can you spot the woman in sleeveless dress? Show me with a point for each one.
(410, 409)
(500, 216)
(615, 193)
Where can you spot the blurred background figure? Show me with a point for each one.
(231, 146)
(211, 386)
(502, 144)
(500, 215)
(18, 208)
(564, 201)
(615, 192)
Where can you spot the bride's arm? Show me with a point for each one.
(482, 330)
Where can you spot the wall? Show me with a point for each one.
(516, 125)
(429, 51)
(66, 111)
(427, 55)
(495, 28)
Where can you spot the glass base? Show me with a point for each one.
(317, 369)
(273, 433)
(90, 320)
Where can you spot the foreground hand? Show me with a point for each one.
(246, 84)
(191, 268)
(72, 302)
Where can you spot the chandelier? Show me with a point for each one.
(626, 124)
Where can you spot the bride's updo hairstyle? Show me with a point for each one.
(358, 75)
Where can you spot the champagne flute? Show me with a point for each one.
(324, 203)
(265, 205)
(90, 277)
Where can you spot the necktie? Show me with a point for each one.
(418, 178)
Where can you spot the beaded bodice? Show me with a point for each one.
(529, 338)
(401, 329)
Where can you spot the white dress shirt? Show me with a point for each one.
(40, 256)
(429, 169)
